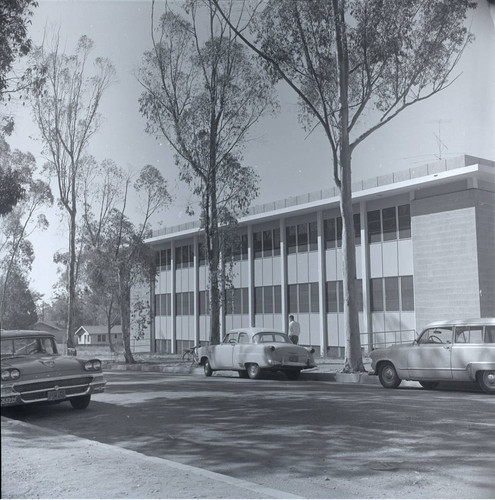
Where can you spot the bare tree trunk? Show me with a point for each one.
(353, 356)
(72, 280)
(125, 313)
(353, 361)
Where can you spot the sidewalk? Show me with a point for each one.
(41, 463)
(328, 369)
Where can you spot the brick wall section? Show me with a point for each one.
(446, 278)
(485, 229)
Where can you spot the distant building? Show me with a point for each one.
(98, 335)
(425, 249)
(59, 331)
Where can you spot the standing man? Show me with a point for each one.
(294, 330)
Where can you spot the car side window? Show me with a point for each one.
(469, 335)
(243, 338)
(489, 334)
(231, 338)
(433, 336)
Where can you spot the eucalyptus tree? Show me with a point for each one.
(21, 220)
(354, 65)
(66, 112)
(116, 257)
(203, 93)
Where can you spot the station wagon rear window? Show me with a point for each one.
(475, 334)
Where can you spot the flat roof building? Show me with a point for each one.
(425, 249)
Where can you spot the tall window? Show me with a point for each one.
(389, 223)
(267, 299)
(392, 294)
(302, 237)
(303, 298)
(266, 243)
(374, 226)
(404, 221)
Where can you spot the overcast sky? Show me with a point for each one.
(289, 163)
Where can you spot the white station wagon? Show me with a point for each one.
(250, 351)
(462, 350)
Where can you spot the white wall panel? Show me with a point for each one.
(267, 271)
(291, 269)
(390, 258)
(406, 258)
(258, 272)
(302, 267)
(277, 270)
(314, 268)
(331, 264)
(333, 330)
(376, 265)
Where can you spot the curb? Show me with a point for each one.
(180, 369)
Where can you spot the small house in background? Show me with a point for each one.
(98, 335)
(51, 327)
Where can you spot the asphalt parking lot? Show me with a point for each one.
(263, 438)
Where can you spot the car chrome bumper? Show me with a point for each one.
(51, 390)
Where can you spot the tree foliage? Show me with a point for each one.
(66, 110)
(203, 93)
(20, 310)
(16, 251)
(116, 257)
(355, 65)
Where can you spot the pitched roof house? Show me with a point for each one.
(98, 334)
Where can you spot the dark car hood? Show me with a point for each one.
(49, 365)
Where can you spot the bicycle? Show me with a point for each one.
(190, 355)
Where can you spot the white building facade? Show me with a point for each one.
(425, 250)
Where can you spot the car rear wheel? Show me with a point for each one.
(428, 385)
(253, 371)
(80, 402)
(243, 374)
(293, 374)
(388, 376)
(486, 381)
(207, 369)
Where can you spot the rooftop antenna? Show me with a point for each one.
(438, 137)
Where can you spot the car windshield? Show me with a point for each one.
(28, 345)
(263, 338)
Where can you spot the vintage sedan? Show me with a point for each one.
(461, 350)
(251, 351)
(34, 372)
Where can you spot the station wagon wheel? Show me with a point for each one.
(207, 369)
(253, 371)
(80, 402)
(486, 381)
(388, 376)
(428, 385)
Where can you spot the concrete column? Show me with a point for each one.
(153, 313)
(283, 275)
(365, 266)
(322, 278)
(173, 318)
(196, 289)
(251, 276)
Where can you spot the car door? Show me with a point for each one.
(223, 353)
(241, 350)
(468, 347)
(430, 358)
